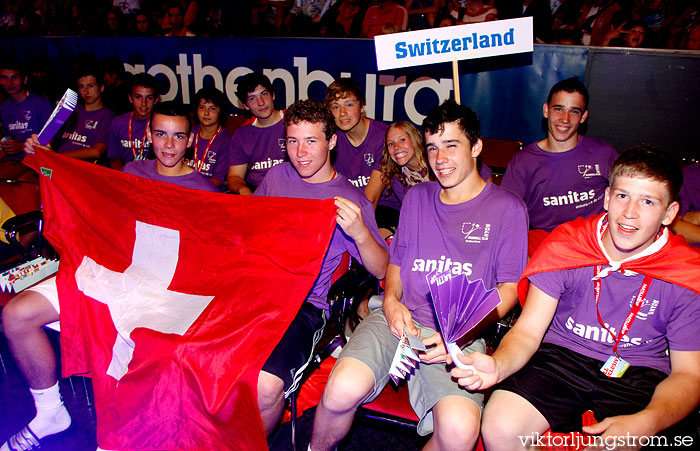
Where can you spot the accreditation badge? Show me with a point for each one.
(615, 366)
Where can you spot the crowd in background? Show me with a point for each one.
(673, 24)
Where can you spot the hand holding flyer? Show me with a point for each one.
(459, 306)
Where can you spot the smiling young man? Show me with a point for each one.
(23, 113)
(360, 139)
(258, 145)
(610, 324)
(211, 140)
(563, 176)
(128, 139)
(459, 223)
(311, 137)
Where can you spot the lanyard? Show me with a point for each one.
(197, 162)
(143, 140)
(638, 301)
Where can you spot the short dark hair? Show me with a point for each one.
(312, 111)
(9, 62)
(145, 80)
(341, 88)
(112, 65)
(651, 163)
(213, 95)
(87, 70)
(249, 82)
(173, 109)
(451, 111)
(570, 85)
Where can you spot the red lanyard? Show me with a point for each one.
(143, 140)
(638, 301)
(197, 162)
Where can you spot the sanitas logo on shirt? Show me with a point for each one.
(600, 334)
(360, 181)
(17, 126)
(369, 159)
(572, 197)
(75, 137)
(443, 264)
(266, 164)
(137, 143)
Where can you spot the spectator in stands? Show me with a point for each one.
(311, 137)
(23, 113)
(475, 11)
(259, 145)
(594, 20)
(691, 41)
(128, 135)
(113, 23)
(143, 25)
(627, 34)
(348, 15)
(116, 93)
(431, 229)
(270, 15)
(85, 134)
(25, 315)
(360, 139)
(211, 140)
(422, 13)
(177, 23)
(565, 175)
(387, 11)
(447, 21)
(306, 16)
(538, 9)
(569, 351)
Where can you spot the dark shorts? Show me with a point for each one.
(293, 353)
(562, 384)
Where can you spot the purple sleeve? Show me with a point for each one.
(511, 254)
(551, 283)
(114, 145)
(683, 328)
(513, 179)
(236, 153)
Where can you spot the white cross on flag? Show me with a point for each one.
(172, 299)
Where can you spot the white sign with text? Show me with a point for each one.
(460, 42)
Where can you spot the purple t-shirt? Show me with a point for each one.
(559, 187)
(669, 317)
(85, 129)
(485, 238)
(119, 145)
(260, 148)
(284, 181)
(216, 160)
(690, 192)
(20, 120)
(147, 169)
(357, 163)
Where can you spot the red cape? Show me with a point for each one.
(575, 245)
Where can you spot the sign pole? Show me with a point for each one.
(455, 80)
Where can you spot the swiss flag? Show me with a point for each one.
(180, 297)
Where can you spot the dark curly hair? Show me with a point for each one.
(312, 111)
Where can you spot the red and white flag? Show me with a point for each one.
(172, 299)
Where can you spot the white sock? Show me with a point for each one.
(51, 416)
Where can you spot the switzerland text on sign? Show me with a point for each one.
(437, 45)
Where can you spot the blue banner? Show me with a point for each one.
(507, 92)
